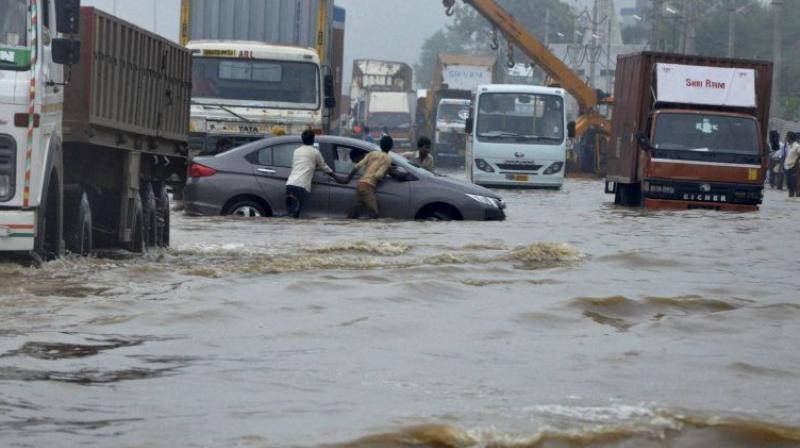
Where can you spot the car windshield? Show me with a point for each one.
(13, 32)
(235, 81)
(706, 133)
(450, 112)
(515, 117)
(394, 121)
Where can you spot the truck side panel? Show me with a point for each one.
(131, 90)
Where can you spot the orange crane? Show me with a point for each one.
(588, 98)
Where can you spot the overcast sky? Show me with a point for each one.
(378, 29)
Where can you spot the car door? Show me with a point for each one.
(393, 195)
(273, 169)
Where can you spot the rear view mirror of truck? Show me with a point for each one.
(68, 16)
(643, 141)
(66, 51)
(571, 129)
(328, 85)
(330, 102)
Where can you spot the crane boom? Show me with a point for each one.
(587, 97)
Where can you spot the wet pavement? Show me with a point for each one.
(573, 323)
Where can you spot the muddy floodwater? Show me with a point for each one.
(574, 323)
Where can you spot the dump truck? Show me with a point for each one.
(689, 132)
(456, 78)
(259, 67)
(94, 116)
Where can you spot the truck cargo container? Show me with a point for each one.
(381, 88)
(106, 132)
(689, 132)
(456, 77)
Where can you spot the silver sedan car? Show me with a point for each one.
(250, 181)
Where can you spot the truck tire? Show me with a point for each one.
(78, 226)
(149, 209)
(162, 200)
(49, 230)
(137, 244)
(629, 195)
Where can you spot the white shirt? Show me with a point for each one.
(791, 156)
(307, 160)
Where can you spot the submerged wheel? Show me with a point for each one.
(150, 215)
(162, 232)
(247, 209)
(49, 231)
(78, 223)
(628, 195)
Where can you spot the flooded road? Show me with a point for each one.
(574, 323)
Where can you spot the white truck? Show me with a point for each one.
(91, 134)
(242, 91)
(394, 112)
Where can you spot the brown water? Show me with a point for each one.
(572, 324)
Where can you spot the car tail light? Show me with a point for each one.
(196, 170)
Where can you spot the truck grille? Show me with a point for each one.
(8, 166)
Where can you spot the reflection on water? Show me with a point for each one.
(574, 323)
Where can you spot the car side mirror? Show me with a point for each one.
(66, 51)
(643, 141)
(470, 125)
(330, 102)
(572, 130)
(68, 16)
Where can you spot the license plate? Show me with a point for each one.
(519, 177)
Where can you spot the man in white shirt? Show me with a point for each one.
(790, 164)
(307, 160)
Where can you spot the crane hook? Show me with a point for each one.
(449, 6)
(511, 62)
(495, 44)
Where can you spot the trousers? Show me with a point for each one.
(366, 202)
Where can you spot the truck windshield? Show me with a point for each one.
(293, 85)
(514, 117)
(13, 33)
(450, 112)
(391, 120)
(706, 133)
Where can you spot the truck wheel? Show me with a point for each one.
(629, 195)
(137, 243)
(162, 237)
(78, 223)
(150, 215)
(49, 231)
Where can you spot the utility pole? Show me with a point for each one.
(777, 50)
(593, 55)
(690, 45)
(731, 28)
(155, 16)
(608, 54)
(656, 16)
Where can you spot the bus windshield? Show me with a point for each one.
(292, 85)
(706, 133)
(515, 117)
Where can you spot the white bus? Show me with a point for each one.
(517, 136)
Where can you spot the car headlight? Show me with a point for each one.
(485, 200)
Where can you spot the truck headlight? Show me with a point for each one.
(485, 200)
(197, 125)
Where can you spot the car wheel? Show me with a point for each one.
(247, 209)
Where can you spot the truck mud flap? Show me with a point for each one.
(688, 205)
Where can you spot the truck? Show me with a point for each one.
(94, 116)
(456, 78)
(689, 132)
(259, 68)
(382, 96)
